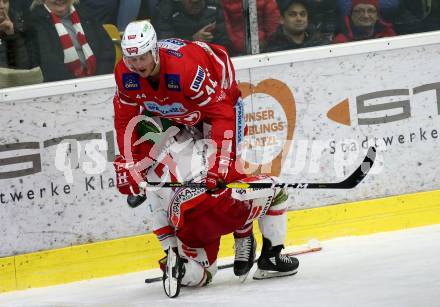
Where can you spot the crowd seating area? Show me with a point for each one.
(53, 40)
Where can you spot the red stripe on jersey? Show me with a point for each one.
(244, 232)
(163, 231)
(126, 98)
(276, 212)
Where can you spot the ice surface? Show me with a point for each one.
(388, 269)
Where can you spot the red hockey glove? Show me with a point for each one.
(216, 176)
(128, 174)
(213, 180)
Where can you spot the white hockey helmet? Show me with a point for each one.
(138, 39)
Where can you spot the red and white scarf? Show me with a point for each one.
(71, 58)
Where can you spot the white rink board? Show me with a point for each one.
(326, 151)
(54, 211)
(90, 210)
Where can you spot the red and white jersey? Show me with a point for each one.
(197, 84)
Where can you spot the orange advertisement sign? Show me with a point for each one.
(270, 116)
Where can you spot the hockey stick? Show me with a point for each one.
(350, 182)
(230, 265)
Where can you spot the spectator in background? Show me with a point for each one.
(102, 11)
(64, 44)
(13, 53)
(14, 60)
(295, 30)
(130, 10)
(325, 16)
(199, 20)
(388, 8)
(21, 8)
(364, 23)
(268, 22)
(118, 12)
(147, 10)
(417, 16)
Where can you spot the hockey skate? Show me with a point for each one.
(173, 273)
(244, 256)
(273, 264)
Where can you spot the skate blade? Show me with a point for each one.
(242, 278)
(171, 284)
(263, 274)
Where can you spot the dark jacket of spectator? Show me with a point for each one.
(130, 10)
(173, 21)
(48, 53)
(417, 16)
(280, 41)
(268, 21)
(325, 16)
(13, 52)
(21, 7)
(350, 33)
(103, 11)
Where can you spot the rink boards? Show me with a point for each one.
(142, 252)
(311, 115)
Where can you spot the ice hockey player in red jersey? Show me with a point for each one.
(199, 219)
(190, 83)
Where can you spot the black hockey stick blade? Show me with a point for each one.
(350, 182)
(135, 200)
